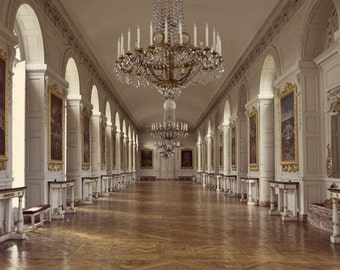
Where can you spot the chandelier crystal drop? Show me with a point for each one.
(169, 129)
(169, 62)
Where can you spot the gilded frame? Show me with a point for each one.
(56, 128)
(102, 145)
(221, 150)
(289, 129)
(146, 160)
(114, 148)
(86, 153)
(186, 158)
(253, 140)
(4, 97)
(233, 147)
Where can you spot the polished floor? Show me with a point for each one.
(171, 225)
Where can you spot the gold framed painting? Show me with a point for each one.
(86, 139)
(186, 158)
(102, 145)
(55, 128)
(233, 127)
(146, 159)
(221, 150)
(253, 139)
(289, 129)
(4, 84)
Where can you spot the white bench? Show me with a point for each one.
(41, 210)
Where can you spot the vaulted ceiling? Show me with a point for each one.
(101, 22)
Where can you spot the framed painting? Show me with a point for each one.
(102, 145)
(221, 150)
(288, 128)
(86, 139)
(55, 128)
(113, 148)
(186, 158)
(233, 146)
(3, 110)
(146, 158)
(253, 139)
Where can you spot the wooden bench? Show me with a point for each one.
(41, 210)
(148, 178)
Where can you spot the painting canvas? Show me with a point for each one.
(221, 151)
(289, 155)
(56, 128)
(102, 146)
(253, 141)
(186, 159)
(3, 109)
(146, 158)
(86, 139)
(113, 149)
(233, 146)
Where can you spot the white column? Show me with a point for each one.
(108, 158)
(20, 216)
(335, 237)
(74, 144)
(226, 149)
(209, 154)
(118, 151)
(95, 144)
(266, 148)
(199, 156)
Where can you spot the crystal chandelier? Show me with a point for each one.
(169, 129)
(170, 62)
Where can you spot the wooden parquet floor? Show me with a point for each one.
(171, 225)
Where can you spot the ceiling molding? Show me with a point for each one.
(62, 22)
(274, 24)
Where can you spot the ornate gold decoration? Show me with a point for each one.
(4, 97)
(329, 164)
(54, 128)
(86, 139)
(289, 129)
(253, 140)
(233, 148)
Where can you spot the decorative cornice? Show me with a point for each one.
(272, 27)
(73, 39)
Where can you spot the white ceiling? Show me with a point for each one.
(101, 22)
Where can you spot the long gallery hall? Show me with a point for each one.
(171, 225)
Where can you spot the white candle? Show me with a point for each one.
(214, 39)
(195, 35)
(122, 44)
(166, 31)
(118, 48)
(151, 33)
(138, 37)
(129, 39)
(180, 33)
(206, 35)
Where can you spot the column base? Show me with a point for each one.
(251, 203)
(289, 218)
(274, 212)
(58, 216)
(218, 189)
(70, 211)
(87, 202)
(335, 239)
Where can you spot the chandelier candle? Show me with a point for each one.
(170, 62)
